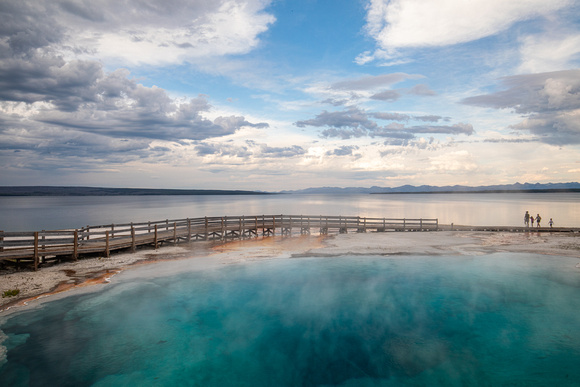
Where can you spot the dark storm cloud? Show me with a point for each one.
(355, 123)
(549, 101)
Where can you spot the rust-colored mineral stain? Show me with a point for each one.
(90, 279)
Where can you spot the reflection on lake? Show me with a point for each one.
(37, 213)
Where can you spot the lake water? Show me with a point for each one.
(492, 320)
(47, 213)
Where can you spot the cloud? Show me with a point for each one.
(421, 89)
(373, 81)
(391, 116)
(548, 52)
(550, 102)
(453, 162)
(138, 32)
(356, 123)
(430, 118)
(345, 150)
(351, 118)
(387, 95)
(221, 149)
(399, 24)
(459, 128)
(252, 150)
(280, 152)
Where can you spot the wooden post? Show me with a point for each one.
(437, 224)
(188, 229)
(1, 240)
(35, 250)
(107, 253)
(174, 233)
(404, 225)
(43, 246)
(206, 229)
(421, 224)
(273, 224)
(112, 230)
(223, 226)
(155, 240)
(166, 224)
(88, 232)
(76, 245)
(133, 244)
(148, 226)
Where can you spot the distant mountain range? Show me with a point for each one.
(100, 191)
(411, 189)
(405, 189)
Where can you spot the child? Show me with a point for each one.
(551, 222)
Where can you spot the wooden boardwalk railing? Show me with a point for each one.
(38, 246)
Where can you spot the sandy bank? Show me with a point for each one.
(69, 275)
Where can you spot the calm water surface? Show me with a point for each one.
(495, 320)
(38, 213)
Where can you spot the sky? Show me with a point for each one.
(280, 95)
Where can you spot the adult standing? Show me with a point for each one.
(527, 219)
(538, 219)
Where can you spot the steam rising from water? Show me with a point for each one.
(349, 321)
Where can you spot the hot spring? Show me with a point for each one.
(500, 319)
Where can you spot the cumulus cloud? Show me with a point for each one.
(422, 23)
(550, 103)
(138, 32)
(50, 100)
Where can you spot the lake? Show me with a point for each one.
(493, 209)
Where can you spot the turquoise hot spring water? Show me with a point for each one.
(485, 320)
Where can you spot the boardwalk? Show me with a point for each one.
(37, 247)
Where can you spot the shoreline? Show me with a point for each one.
(63, 277)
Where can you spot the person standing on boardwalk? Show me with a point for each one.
(551, 222)
(538, 219)
(527, 219)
